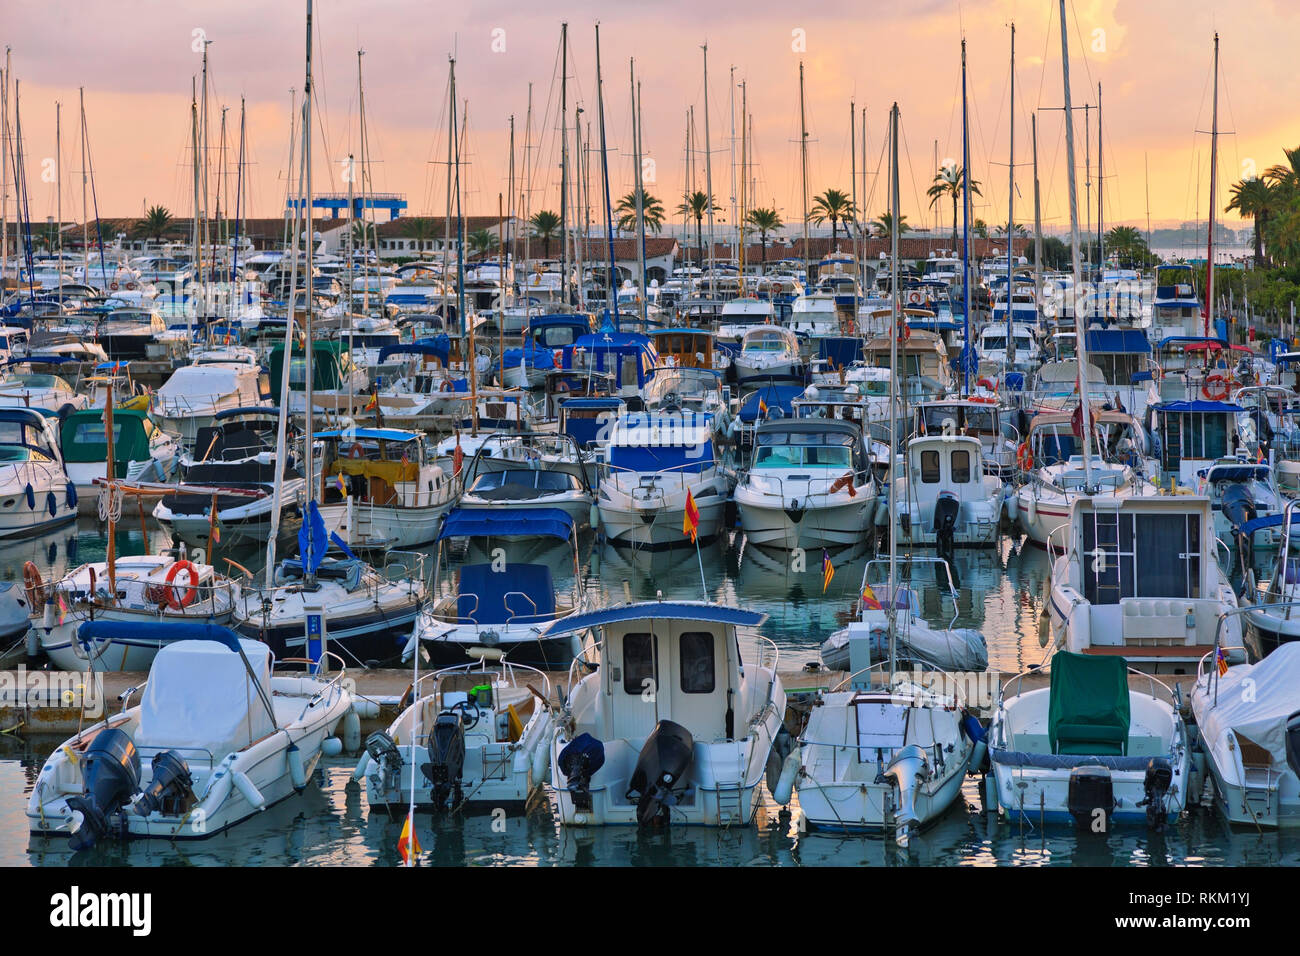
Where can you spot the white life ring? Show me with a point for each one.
(914, 298)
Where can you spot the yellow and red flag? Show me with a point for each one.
(828, 571)
(762, 407)
(691, 517)
(1221, 660)
(408, 844)
(374, 401)
(869, 602)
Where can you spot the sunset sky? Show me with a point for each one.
(136, 59)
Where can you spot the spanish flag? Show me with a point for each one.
(828, 571)
(408, 844)
(762, 407)
(691, 517)
(216, 526)
(869, 602)
(373, 403)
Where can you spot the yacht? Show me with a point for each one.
(36, 494)
(194, 395)
(142, 452)
(768, 351)
(944, 497)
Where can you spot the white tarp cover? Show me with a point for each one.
(1253, 700)
(200, 696)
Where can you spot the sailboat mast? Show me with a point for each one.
(58, 186)
(361, 108)
(198, 247)
(1038, 220)
(708, 171)
(638, 185)
(1214, 175)
(803, 176)
(1011, 205)
(1080, 331)
(85, 208)
(564, 164)
(4, 171)
(894, 410)
(967, 351)
(1101, 185)
(745, 199)
(604, 174)
(309, 459)
(446, 219)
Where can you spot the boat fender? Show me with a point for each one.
(31, 497)
(362, 768)
(1033, 510)
(595, 516)
(990, 793)
(70, 491)
(1013, 506)
(785, 783)
(248, 789)
(51, 504)
(331, 747)
(540, 771)
(972, 728)
(297, 772)
(978, 756)
(351, 731)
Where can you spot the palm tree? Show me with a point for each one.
(363, 234)
(948, 183)
(157, 222)
(480, 241)
(652, 211)
(980, 228)
(835, 206)
(697, 205)
(765, 221)
(884, 225)
(1127, 244)
(421, 229)
(545, 225)
(1287, 176)
(1001, 229)
(1255, 199)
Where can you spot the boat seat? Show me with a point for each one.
(1159, 621)
(1091, 739)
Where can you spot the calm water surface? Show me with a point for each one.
(1000, 592)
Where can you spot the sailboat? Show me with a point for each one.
(369, 612)
(884, 752)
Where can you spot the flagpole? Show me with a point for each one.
(415, 730)
(704, 588)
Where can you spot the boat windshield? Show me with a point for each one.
(803, 456)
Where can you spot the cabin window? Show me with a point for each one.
(929, 467)
(639, 671)
(697, 673)
(961, 466)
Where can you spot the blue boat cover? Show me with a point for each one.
(512, 522)
(439, 348)
(517, 594)
(840, 350)
(774, 397)
(1021, 758)
(1267, 521)
(160, 631)
(1117, 340)
(1198, 406)
(658, 610)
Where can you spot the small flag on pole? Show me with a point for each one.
(869, 601)
(762, 407)
(828, 571)
(1221, 660)
(691, 517)
(373, 403)
(216, 526)
(408, 844)
(341, 485)
(63, 609)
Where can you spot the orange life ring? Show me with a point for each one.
(984, 399)
(34, 586)
(356, 451)
(446, 385)
(113, 286)
(174, 602)
(1024, 457)
(914, 298)
(1217, 396)
(842, 482)
(130, 286)
(458, 459)
(985, 383)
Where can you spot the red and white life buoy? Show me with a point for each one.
(914, 298)
(1219, 394)
(189, 597)
(113, 286)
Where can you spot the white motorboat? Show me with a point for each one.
(479, 732)
(655, 461)
(1248, 724)
(215, 740)
(945, 499)
(141, 451)
(512, 472)
(808, 485)
(1137, 578)
(36, 494)
(194, 395)
(503, 605)
(768, 351)
(670, 727)
(1087, 748)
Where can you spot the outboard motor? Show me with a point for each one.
(1293, 742)
(946, 509)
(579, 761)
(383, 751)
(907, 769)
(110, 779)
(1155, 787)
(664, 762)
(446, 759)
(169, 788)
(1091, 789)
(1238, 508)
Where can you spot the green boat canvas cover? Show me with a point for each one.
(1088, 710)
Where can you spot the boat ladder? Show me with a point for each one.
(730, 799)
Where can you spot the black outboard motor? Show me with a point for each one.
(383, 751)
(1155, 787)
(111, 778)
(446, 759)
(664, 762)
(1293, 742)
(579, 761)
(1238, 508)
(946, 509)
(169, 788)
(1091, 790)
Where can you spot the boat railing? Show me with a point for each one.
(517, 675)
(860, 476)
(953, 687)
(1156, 688)
(679, 476)
(410, 566)
(164, 595)
(331, 688)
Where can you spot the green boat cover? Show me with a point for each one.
(1088, 710)
(83, 439)
(330, 362)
